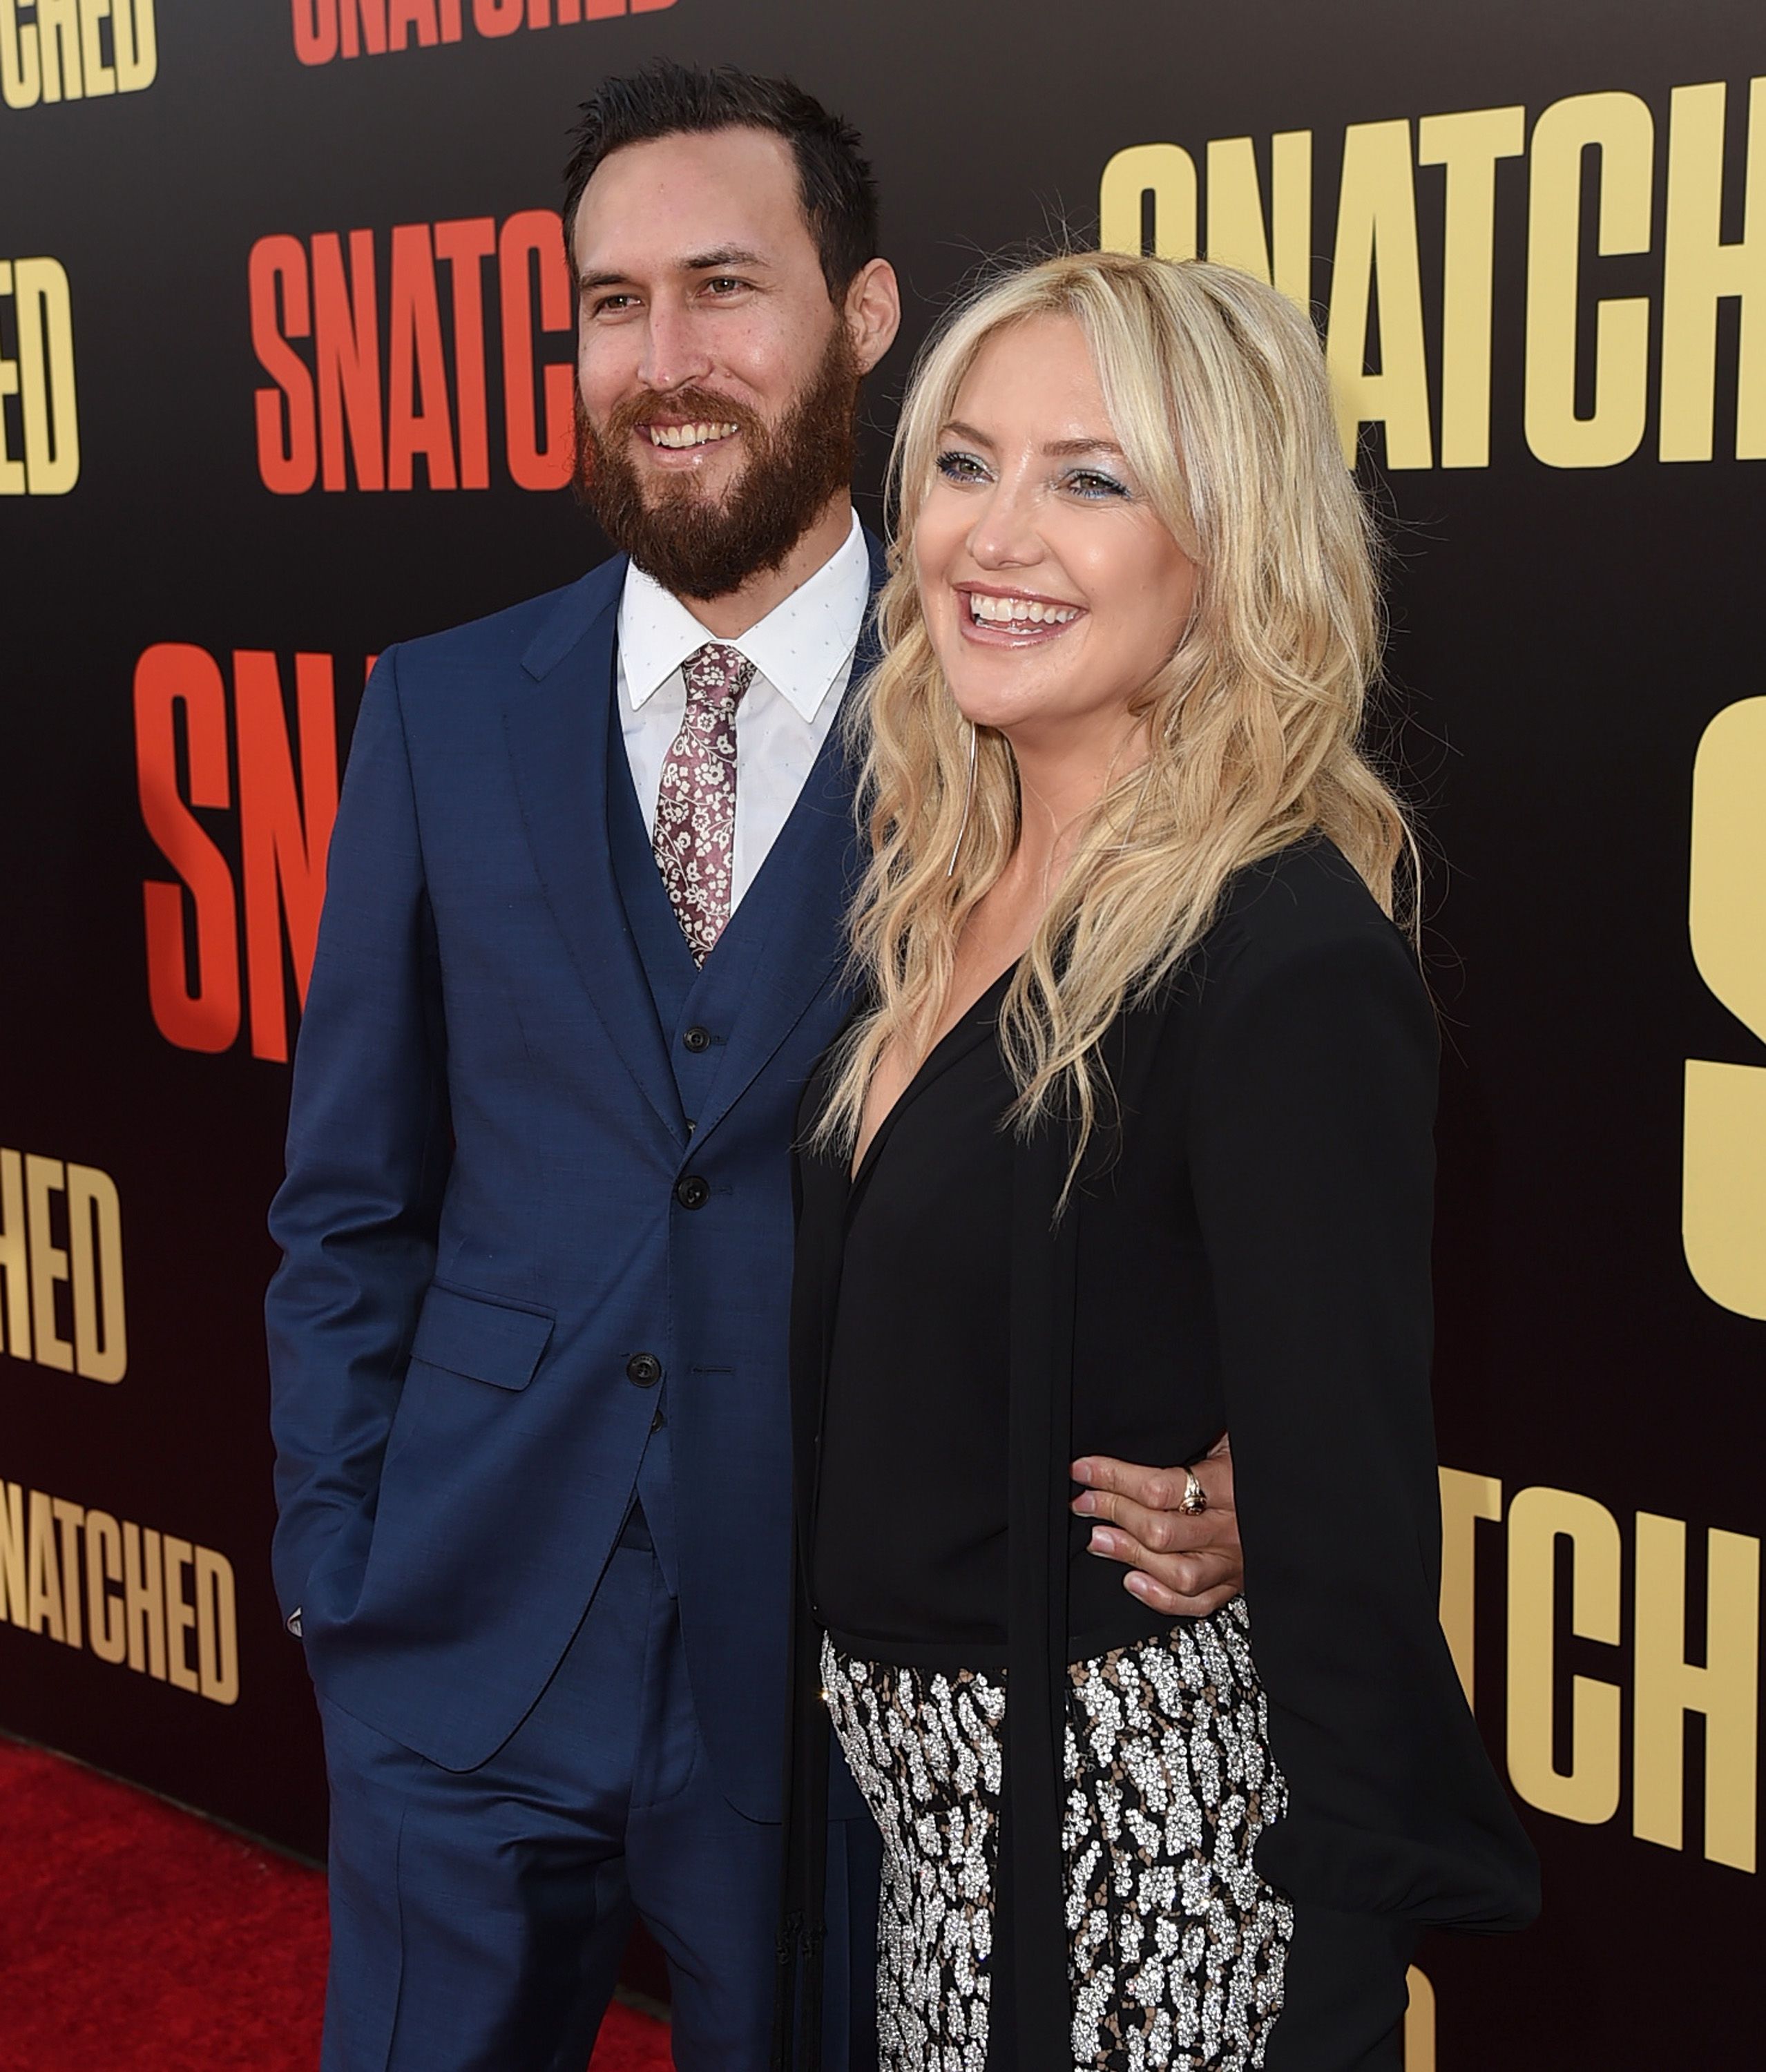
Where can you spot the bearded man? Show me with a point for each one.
(581, 947)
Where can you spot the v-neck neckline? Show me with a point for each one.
(971, 1026)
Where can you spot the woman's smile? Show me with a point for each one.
(995, 617)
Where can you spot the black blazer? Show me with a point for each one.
(1250, 1246)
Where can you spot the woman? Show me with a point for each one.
(1131, 1144)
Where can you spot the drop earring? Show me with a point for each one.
(968, 801)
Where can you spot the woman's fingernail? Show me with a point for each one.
(1101, 1542)
(1136, 1582)
(1085, 1505)
(1082, 1471)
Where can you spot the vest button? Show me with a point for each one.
(692, 1193)
(645, 1369)
(697, 1039)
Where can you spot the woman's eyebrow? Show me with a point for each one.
(1056, 449)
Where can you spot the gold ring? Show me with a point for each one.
(1195, 1499)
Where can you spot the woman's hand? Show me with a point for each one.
(1178, 1561)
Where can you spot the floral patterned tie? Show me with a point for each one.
(695, 808)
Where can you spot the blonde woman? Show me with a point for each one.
(1130, 1144)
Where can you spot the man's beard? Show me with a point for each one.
(699, 548)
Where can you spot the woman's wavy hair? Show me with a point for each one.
(1217, 390)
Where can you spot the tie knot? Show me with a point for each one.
(716, 674)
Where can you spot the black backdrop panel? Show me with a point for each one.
(283, 356)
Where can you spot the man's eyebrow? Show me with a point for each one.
(695, 262)
(725, 255)
(1056, 449)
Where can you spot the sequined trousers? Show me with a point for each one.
(1177, 1945)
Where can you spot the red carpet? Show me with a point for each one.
(139, 1938)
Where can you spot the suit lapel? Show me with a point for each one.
(557, 722)
(798, 901)
(800, 896)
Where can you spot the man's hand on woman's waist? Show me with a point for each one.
(1181, 1556)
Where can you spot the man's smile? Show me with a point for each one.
(701, 435)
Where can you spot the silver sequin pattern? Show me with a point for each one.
(1177, 1946)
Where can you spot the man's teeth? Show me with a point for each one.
(1008, 611)
(687, 435)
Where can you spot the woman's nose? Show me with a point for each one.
(1005, 534)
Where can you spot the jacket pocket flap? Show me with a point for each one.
(483, 1340)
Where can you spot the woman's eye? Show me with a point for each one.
(1090, 482)
(960, 467)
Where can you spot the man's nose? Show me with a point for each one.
(673, 355)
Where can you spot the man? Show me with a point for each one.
(580, 949)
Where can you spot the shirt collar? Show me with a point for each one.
(800, 646)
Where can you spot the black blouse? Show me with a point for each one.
(910, 1559)
(1249, 1250)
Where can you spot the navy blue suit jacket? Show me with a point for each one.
(480, 1226)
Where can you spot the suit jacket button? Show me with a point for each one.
(692, 1193)
(645, 1369)
(697, 1039)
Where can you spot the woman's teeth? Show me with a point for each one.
(1019, 610)
(687, 435)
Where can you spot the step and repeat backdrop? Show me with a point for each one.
(285, 375)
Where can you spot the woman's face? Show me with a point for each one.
(1052, 592)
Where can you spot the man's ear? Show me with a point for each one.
(873, 312)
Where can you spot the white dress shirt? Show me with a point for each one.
(802, 652)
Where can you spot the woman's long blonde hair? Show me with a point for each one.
(1217, 390)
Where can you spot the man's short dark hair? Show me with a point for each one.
(667, 100)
